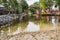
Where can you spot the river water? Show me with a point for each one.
(30, 26)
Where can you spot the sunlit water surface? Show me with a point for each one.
(26, 27)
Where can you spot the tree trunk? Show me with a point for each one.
(26, 17)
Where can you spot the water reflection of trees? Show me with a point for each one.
(4, 30)
(23, 25)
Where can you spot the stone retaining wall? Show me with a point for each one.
(6, 20)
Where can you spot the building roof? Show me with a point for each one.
(5, 9)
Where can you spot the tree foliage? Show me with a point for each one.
(5, 3)
(14, 4)
(45, 3)
(0, 1)
(32, 7)
(58, 2)
(36, 4)
(32, 10)
(17, 6)
(24, 5)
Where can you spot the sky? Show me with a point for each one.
(30, 2)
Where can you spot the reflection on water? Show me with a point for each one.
(31, 27)
(26, 27)
(21, 27)
(18, 30)
(53, 22)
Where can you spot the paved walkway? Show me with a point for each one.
(42, 35)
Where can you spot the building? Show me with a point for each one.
(4, 10)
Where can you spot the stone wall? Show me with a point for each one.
(7, 19)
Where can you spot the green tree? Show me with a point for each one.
(45, 3)
(36, 4)
(0, 1)
(15, 5)
(49, 3)
(24, 5)
(58, 3)
(32, 10)
(12, 4)
(18, 6)
(6, 4)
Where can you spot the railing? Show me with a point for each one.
(50, 14)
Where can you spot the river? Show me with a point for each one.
(30, 26)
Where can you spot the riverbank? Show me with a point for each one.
(7, 20)
(41, 35)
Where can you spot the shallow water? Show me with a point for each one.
(26, 27)
(20, 27)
